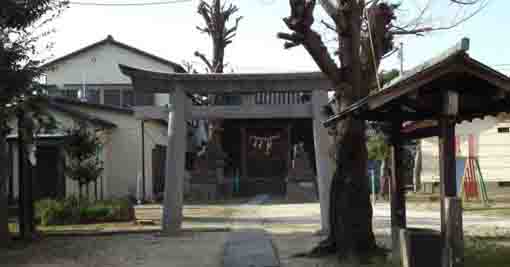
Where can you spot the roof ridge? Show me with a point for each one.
(109, 39)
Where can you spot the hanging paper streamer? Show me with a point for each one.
(263, 143)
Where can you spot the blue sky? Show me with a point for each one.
(169, 31)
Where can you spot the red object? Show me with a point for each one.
(470, 183)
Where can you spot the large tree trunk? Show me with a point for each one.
(350, 208)
(4, 216)
(351, 212)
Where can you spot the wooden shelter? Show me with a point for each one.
(425, 102)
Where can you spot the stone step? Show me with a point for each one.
(148, 213)
(250, 248)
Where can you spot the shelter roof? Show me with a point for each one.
(418, 95)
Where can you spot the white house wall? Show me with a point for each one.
(493, 150)
(101, 66)
(121, 153)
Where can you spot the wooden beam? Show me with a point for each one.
(498, 80)
(151, 112)
(153, 82)
(447, 176)
(411, 81)
(397, 115)
(397, 202)
(230, 112)
(421, 133)
(252, 111)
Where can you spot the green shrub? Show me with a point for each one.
(51, 212)
(95, 214)
(74, 211)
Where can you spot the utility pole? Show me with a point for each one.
(401, 58)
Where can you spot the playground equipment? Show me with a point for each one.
(471, 184)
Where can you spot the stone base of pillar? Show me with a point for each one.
(300, 190)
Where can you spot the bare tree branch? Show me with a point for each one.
(216, 16)
(205, 60)
(416, 26)
(300, 22)
(329, 26)
(465, 2)
(330, 8)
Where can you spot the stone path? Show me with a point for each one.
(250, 248)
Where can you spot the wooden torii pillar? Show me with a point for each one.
(175, 163)
(323, 162)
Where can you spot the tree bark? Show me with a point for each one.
(417, 168)
(359, 56)
(4, 216)
(352, 211)
(216, 15)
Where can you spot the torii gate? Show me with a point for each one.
(179, 84)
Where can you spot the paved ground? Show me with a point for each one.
(306, 217)
(292, 228)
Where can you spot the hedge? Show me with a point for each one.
(73, 211)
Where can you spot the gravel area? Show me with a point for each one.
(148, 250)
(292, 227)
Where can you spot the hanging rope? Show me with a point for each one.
(372, 50)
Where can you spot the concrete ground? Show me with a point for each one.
(292, 227)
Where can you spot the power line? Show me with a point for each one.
(128, 4)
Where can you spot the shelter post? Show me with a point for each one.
(175, 162)
(397, 198)
(323, 163)
(451, 207)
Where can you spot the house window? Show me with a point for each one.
(504, 184)
(144, 99)
(232, 100)
(71, 93)
(93, 96)
(504, 130)
(127, 98)
(112, 97)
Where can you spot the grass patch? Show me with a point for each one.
(481, 252)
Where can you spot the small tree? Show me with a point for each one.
(216, 17)
(19, 20)
(83, 165)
